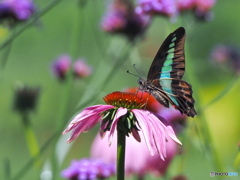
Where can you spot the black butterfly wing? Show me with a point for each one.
(166, 72)
(170, 57)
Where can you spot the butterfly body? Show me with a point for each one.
(148, 86)
(164, 79)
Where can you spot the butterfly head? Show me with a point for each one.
(142, 84)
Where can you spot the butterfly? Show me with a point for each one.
(164, 80)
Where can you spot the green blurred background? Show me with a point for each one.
(74, 30)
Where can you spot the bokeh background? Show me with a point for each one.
(73, 28)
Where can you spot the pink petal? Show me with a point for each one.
(85, 120)
(155, 132)
(145, 130)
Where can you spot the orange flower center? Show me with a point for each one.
(124, 99)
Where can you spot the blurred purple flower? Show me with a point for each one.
(122, 19)
(61, 66)
(25, 99)
(162, 7)
(89, 169)
(138, 160)
(222, 54)
(18, 10)
(81, 69)
(124, 110)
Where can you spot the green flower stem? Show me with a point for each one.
(31, 140)
(121, 143)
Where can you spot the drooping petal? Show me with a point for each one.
(159, 135)
(155, 132)
(85, 114)
(145, 130)
(84, 121)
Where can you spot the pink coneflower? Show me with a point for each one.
(81, 69)
(124, 113)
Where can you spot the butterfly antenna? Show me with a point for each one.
(132, 74)
(134, 66)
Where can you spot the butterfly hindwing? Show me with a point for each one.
(176, 92)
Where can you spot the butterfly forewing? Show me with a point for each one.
(169, 60)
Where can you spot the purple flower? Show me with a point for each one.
(61, 66)
(122, 19)
(81, 69)
(125, 109)
(18, 10)
(162, 7)
(89, 169)
(138, 160)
